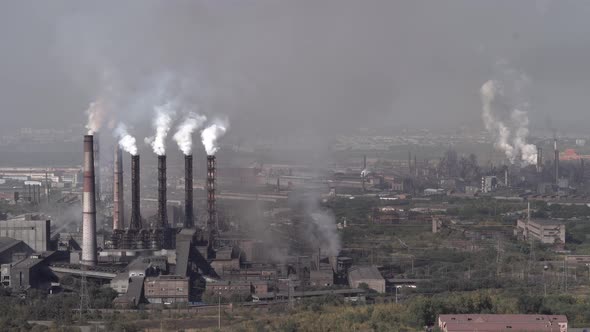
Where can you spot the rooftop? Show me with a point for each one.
(7, 243)
(365, 272)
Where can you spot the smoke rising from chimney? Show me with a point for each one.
(183, 135)
(96, 114)
(162, 123)
(126, 141)
(211, 134)
(505, 116)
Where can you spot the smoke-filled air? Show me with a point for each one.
(184, 133)
(505, 116)
(211, 135)
(96, 114)
(126, 141)
(162, 123)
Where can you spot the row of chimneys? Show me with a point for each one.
(89, 247)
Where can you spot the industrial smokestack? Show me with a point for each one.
(556, 161)
(89, 255)
(97, 166)
(363, 173)
(118, 200)
(189, 221)
(162, 213)
(212, 221)
(506, 176)
(539, 159)
(135, 210)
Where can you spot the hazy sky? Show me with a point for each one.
(280, 67)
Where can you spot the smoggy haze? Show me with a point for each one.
(280, 67)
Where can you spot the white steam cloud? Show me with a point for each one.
(96, 113)
(126, 141)
(325, 231)
(162, 123)
(211, 135)
(184, 134)
(507, 119)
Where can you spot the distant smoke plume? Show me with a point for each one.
(126, 141)
(322, 230)
(505, 116)
(184, 134)
(211, 134)
(96, 114)
(162, 123)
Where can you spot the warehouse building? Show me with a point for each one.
(369, 275)
(34, 230)
(166, 289)
(543, 230)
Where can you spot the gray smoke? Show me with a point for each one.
(505, 116)
(321, 230)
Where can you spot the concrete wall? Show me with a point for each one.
(35, 233)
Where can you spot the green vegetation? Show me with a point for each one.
(413, 314)
(36, 305)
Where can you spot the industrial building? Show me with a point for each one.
(545, 231)
(166, 289)
(34, 230)
(369, 275)
(152, 259)
(9, 247)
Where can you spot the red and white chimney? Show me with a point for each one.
(89, 254)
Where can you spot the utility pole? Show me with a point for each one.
(219, 312)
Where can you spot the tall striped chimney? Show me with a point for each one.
(556, 161)
(96, 152)
(118, 200)
(89, 255)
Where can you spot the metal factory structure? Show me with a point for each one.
(118, 200)
(162, 212)
(212, 225)
(189, 221)
(89, 254)
(139, 235)
(556, 161)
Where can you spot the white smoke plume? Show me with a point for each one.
(126, 141)
(184, 134)
(211, 134)
(365, 172)
(96, 113)
(162, 123)
(505, 117)
(326, 232)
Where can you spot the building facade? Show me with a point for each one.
(545, 231)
